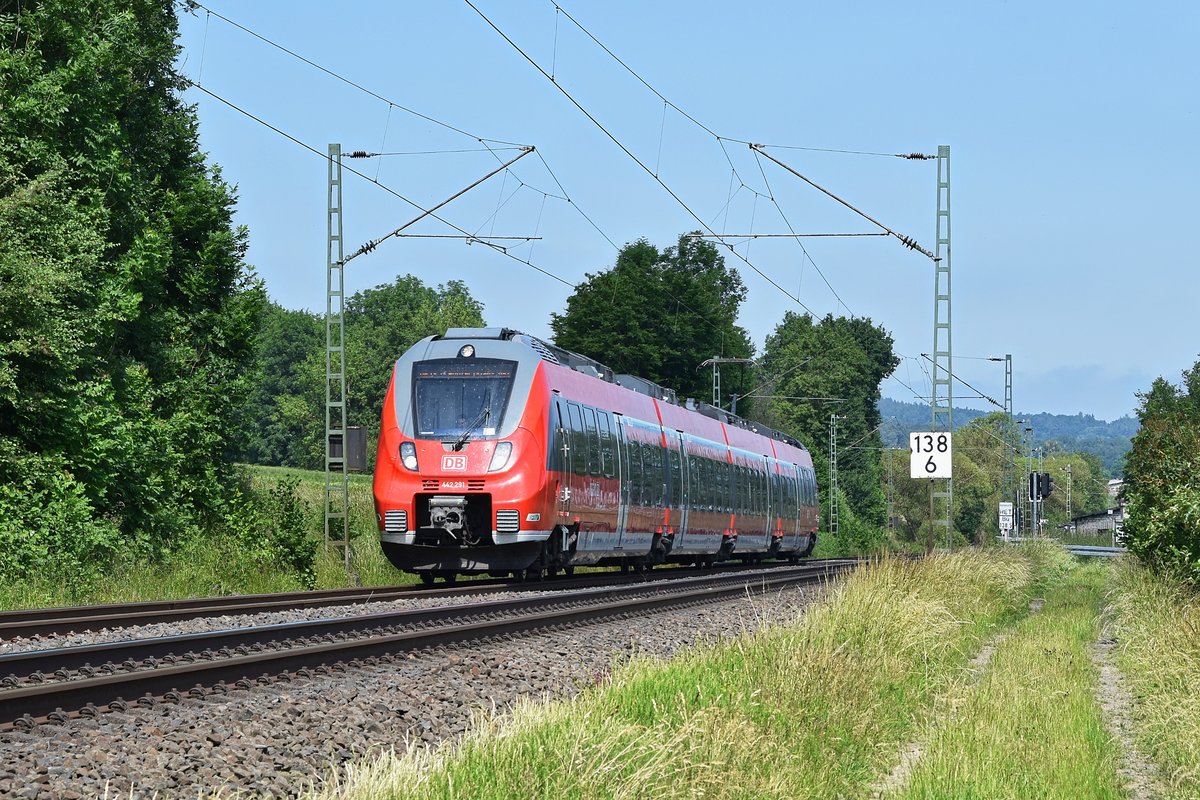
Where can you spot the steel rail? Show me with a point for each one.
(28, 623)
(24, 706)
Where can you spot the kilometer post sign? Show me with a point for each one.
(930, 454)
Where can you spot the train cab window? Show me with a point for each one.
(606, 445)
(593, 441)
(454, 397)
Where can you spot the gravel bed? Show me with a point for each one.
(230, 621)
(279, 740)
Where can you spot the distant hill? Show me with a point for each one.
(1109, 441)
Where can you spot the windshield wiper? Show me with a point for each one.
(484, 415)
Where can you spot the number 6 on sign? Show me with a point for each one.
(930, 457)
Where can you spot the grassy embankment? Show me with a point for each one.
(225, 562)
(819, 707)
(1156, 622)
(1030, 725)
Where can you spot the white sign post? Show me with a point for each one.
(930, 456)
(1006, 519)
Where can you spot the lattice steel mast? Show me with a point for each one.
(337, 487)
(942, 398)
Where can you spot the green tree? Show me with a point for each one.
(659, 315)
(383, 322)
(287, 409)
(832, 367)
(1162, 478)
(128, 313)
(280, 416)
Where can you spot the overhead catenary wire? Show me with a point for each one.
(325, 157)
(721, 139)
(908, 241)
(969, 386)
(346, 80)
(630, 153)
(487, 142)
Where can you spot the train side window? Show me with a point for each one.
(676, 490)
(696, 481)
(593, 441)
(658, 485)
(578, 446)
(606, 446)
(636, 478)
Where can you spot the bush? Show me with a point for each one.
(47, 524)
(1162, 524)
(268, 528)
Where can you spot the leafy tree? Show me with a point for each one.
(288, 406)
(1162, 478)
(659, 315)
(383, 322)
(128, 314)
(279, 413)
(819, 369)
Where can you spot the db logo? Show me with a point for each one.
(454, 463)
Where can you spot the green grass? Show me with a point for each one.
(815, 708)
(366, 558)
(1156, 621)
(1030, 727)
(218, 564)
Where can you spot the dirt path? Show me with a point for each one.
(911, 753)
(1140, 776)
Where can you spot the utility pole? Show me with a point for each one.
(833, 501)
(1068, 492)
(1029, 494)
(715, 362)
(942, 399)
(337, 486)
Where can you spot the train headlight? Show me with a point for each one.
(408, 455)
(500, 456)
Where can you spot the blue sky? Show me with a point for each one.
(1074, 165)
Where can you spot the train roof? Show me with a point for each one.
(589, 366)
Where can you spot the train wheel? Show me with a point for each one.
(427, 578)
(450, 577)
(568, 571)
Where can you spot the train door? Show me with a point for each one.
(679, 487)
(560, 462)
(576, 489)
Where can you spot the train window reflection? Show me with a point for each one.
(457, 397)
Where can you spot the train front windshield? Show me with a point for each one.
(455, 397)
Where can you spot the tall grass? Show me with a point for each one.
(817, 707)
(1030, 727)
(1156, 621)
(367, 561)
(228, 559)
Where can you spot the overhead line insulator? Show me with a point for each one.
(915, 156)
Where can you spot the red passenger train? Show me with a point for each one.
(502, 454)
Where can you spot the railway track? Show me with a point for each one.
(42, 622)
(58, 684)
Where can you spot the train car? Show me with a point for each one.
(501, 454)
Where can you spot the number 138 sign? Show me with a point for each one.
(930, 456)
